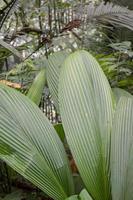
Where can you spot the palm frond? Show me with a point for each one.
(108, 13)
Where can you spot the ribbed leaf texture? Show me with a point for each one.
(86, 107)
(8, 10)
(53, 71)
(118, 93)
(30, 145)
(122, 151)
(108, 13)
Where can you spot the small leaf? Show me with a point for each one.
(84, 195)
(37, 87)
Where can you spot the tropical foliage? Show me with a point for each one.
(66, 123)
(95, 123)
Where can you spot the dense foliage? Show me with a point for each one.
(71, 60)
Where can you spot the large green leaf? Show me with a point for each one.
(37, 87)
(53, 71)
(86, 107)
(122, 151)
(30, 145)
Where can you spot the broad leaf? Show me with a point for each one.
(30, 145)
(122, 151)
(53, 71)
(86, 107)
(37, 87)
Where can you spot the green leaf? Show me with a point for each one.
(32, 148)
(11, 48)
(37, 87)
(118, 93)
(110, 13)
(53, 71)
(122, 151)
(126, 82)
(84, 195)
(86, 106)
(59, 129)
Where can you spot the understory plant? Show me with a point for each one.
(98, 125)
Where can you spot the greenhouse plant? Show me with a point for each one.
(66, 104)
(98, 125)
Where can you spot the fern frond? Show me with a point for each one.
(109, 13)
(8, 10)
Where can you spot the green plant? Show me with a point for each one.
(37, 87)
(110, 13)
(98, 125)
(54, 63)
